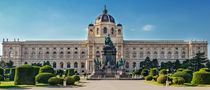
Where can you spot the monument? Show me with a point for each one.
(108, 67)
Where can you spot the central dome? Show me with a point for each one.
(105, 17)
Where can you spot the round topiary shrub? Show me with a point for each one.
(162, 79)
(46, 69)
(153, 72)
(76, 78)
(187, 77)
(201, 77)
(204, 70)
(69, 80)
(148, 78)
(24, 75)
(54, 81)
(163, 72)
(178, 80)
(43, 77)
(144, 72)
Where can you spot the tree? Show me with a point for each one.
(9, 64)
(198, 61)
(146, 63)
(177, 64)
(46, 63)
(208, 64)
(2, 64)
(155, 63)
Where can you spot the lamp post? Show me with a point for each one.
(167, 82)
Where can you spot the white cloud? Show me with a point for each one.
(148, 27)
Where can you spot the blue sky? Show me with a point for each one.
(68, 19)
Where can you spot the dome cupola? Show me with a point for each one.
(105, 17)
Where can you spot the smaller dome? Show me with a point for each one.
(91, 24)
(119, 24)
(105, 17)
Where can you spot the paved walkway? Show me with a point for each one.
(118, 85)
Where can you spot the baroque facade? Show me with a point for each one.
(79, 54)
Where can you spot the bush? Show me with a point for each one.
(43, 77)
(187, 77)
(46, 69)
(163, 72)
(201, 77)
(148, 78)
(155, 77)
(153, 72)
(54, 81)
(6, 70)
(36, 70)
(144, 72)
(24, 75)
(180, 70)
(178, 80)
(162, 79)
(204, 70)
(69, 80)
(70, 72)
(76, 78)
(1, 78)
(1, 71)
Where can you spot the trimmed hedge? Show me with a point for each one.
(163, 72)
(148, 78)
(6, 70)
(180, 70)
(46, 69)
(54, 81)
(187, 77)
(201, 77)
(188, 71)
(178, 80)
(24, 75)
(70, 80)
(144, 72)
(76, 78)
(153, 72)
(43, 77)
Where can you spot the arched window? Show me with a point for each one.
(75, 65)
(97, 54)
(97, 31)
(162, 55)
(68, 65)
(61, 64)
(82, 65)
(183, 55)
(105, 30)
(61, 54)
(176, 55)
(112, 31)
(155, 55)
(134, 54)
(25, 62)
(54, 64)
(148, 54)
(169, 55)
(119, 31)
(141, 54)
(134, 64)
(127, 65)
